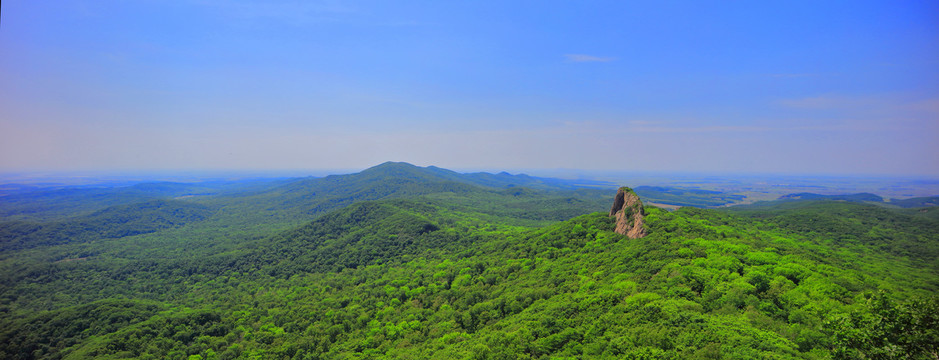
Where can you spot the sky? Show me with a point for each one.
(787, 87)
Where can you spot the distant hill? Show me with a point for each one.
(504, 180)
(897, 231)
(392, 180)
(235, 211)
(293, 198)
(114, 222)
(916, 202)
(44, 204)
(860, 197)
(867, 198)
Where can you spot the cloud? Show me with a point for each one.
(701, 129)
(821, 102)
(686, 127)
(874, 107)
(790, 76)
(587, 58)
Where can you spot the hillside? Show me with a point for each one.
(868, 198)
(244, 211)
(113, 222)
(860, 197)
(409, 263)
(916, 202)
(401, 180)
(55, 203)
(849, 224)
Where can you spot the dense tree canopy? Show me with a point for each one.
(475, 273)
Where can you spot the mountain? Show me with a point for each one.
(400, 261)
(917, 202)
(843, 223)
(242, 211)
(397, 180)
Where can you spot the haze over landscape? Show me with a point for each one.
(840, 87)
(478, 180)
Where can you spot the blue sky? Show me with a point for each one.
(833, 87)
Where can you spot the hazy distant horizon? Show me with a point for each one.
(838, 88)
(563, 173)
(757, 186)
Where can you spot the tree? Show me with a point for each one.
(883, 329)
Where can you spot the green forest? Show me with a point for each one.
(407, 262)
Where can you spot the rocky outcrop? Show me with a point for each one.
(629, 213)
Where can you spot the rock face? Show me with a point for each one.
(629, 213)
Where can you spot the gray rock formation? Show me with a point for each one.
(629, 213)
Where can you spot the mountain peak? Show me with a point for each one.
(394, 165)
(391, 168)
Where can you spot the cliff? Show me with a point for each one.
(629, 213)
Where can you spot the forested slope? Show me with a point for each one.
(463, 271)
(113, 222)
(239, 212)
(60, 203)
(404, 279)
(864, 227)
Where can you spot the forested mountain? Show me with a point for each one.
(849, 224)
(869, 198)
(401, 180)
(400, 261)
(916, 202)
(859, 197)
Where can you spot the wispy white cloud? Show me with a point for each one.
(587, 58)
(690, 126)
(869, 106)
(821, 102)
(796, 75)
(699, 129)
(644, 122)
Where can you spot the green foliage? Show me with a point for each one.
(48, 204)
(883, 329)
(409, 271)
(859, 197)
(183, 334)
(113, 222)
(916, 202)
(851, 224)
(53, 333)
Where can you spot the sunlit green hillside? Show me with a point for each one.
(422, 263)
